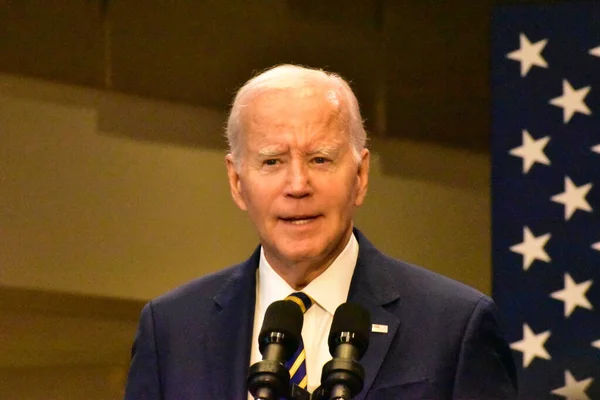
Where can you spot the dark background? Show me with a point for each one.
(419, 68)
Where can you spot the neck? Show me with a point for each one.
(299, 275)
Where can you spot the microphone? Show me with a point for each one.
(343, 377)
(278, 341)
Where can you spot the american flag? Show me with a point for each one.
(546, 194)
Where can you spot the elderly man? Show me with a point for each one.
(299, 167)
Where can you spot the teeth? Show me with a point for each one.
(300, 221)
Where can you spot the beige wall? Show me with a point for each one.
(96, 212)
(81, 382)
(432, 209)
(86, 208)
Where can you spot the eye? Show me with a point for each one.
(320, 160)
(270, 161)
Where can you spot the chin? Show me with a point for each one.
(298, 251)
(310, 249)
(299, 255)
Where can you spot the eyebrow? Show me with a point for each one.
(275, 150)
(330, 151)
(271, 151)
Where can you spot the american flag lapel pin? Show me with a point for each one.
(377, 328)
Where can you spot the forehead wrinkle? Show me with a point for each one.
(273, 99)
(284, 113)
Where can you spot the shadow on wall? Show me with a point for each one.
(64, 346)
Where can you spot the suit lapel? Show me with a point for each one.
(228, 345)
(373, 289)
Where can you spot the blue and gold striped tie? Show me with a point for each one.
(297, 364)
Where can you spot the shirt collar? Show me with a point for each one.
(329, 290)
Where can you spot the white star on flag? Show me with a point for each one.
(573, 295)
(573, 389)
(531, 345)
(596, 246)
(596, 149)
(532, 248)
(571, 101)
(529, 54)
(573, 198)
(595, 51)
(596, 344)
(531, 151)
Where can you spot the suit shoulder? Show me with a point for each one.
(388, 278)
(431, 286)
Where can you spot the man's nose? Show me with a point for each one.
(298, 180)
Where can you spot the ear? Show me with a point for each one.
(362, 177)
(235, 184)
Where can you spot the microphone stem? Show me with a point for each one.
(264, 393)
(340, 392)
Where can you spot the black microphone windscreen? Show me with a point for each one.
(353, 318)
(282, 317)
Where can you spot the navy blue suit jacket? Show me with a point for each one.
(443, 339)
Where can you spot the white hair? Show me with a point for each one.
(293, 77)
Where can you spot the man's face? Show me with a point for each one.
(298, 179)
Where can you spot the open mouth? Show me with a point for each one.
(300, 220)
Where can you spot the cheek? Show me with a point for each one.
(260, 198)
(341, 196)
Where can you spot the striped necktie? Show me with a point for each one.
(297, 364)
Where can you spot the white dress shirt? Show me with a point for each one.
(328, 290)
